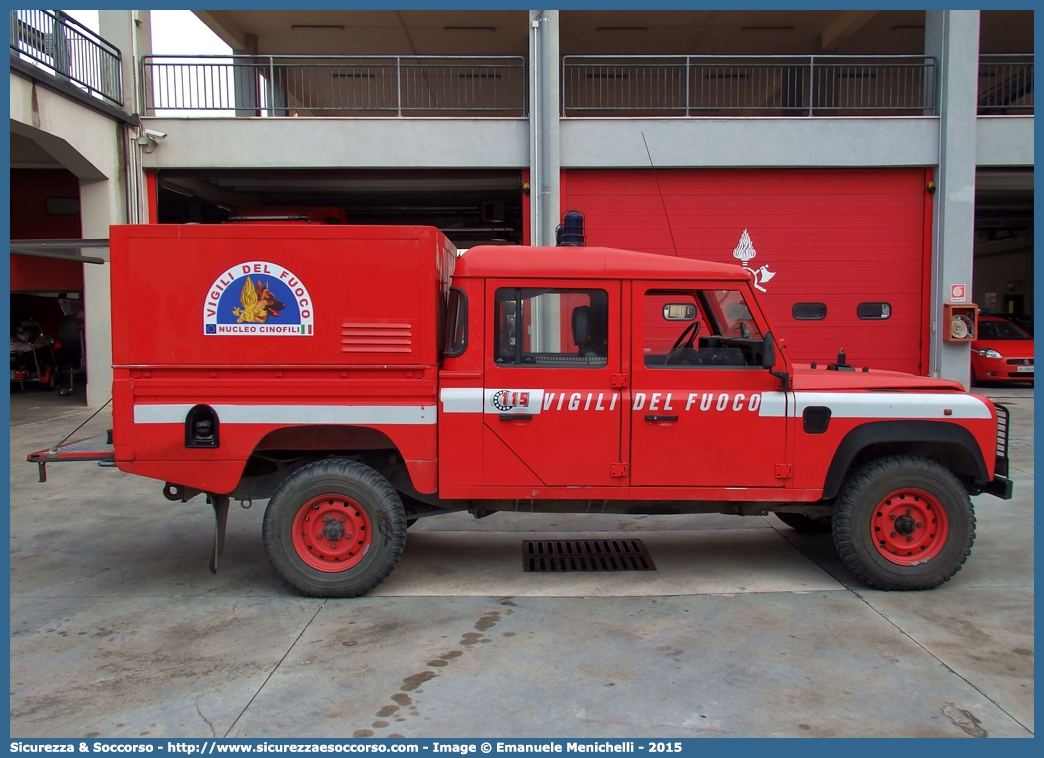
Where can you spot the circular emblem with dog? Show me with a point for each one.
(258, 298)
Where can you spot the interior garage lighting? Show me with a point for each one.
(469, 28)
(302, 27)
(768, 28)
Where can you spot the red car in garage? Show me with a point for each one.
(1001, 352)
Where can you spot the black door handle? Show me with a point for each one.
(516, 416)
(661, 418)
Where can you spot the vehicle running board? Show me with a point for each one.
(98, 448)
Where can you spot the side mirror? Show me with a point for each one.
(768, 351)
(768, 360)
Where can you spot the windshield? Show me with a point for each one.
(1001, 330)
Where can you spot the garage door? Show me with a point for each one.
(840, 254)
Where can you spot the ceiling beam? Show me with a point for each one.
(844, 26)
(207, 191)
(221, 23)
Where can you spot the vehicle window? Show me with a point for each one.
(456, 323)
(551, 327)
(736, 319)
(1001, 330)
(699, 329)
(660, 333)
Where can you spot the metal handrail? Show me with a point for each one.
(808, 85)
(351, 85)
(73, 53)
(1005, 84)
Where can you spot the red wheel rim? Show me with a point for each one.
(909, 527)
(331, 533)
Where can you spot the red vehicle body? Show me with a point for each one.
(1002, 351)
(362, 377)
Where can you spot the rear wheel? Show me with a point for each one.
(334, 528)
(805, 524)
(904, 523)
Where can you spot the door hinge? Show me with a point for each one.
(784, 470)
(619, 381)
(617, 470)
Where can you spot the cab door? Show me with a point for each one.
(548, 376)
(704, 412)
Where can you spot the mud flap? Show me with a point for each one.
(220, 503)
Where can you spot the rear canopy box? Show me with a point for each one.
(252, 295)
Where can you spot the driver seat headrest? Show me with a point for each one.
(581, 325)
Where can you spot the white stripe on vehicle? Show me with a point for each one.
(294, 414)
(462, 400)
(893, 405)
(773, 404)
(862, 404)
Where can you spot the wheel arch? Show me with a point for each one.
(948, 444)
(282, 451)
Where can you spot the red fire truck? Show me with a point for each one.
(364, 377)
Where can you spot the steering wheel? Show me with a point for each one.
(684, 342)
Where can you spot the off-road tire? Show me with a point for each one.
(861, 502)
(805, 524)
(343, 480)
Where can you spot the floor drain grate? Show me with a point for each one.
(586, 555)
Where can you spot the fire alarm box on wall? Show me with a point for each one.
(960, 322)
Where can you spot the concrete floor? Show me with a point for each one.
(746, 629)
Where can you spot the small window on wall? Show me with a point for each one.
(809, 311)
(62, 206)
(874, 311)
(567, 328)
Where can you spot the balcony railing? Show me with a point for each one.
(307, 85)
(68, 50)
(1005, 85)
(747, 86)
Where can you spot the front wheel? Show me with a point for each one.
(334, 528)
(904, 523)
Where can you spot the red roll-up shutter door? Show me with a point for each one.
(834, 236)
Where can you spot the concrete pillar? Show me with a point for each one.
(101, 204)
(244, 79)
(545, 162)
(131, 32)
(953, 38)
